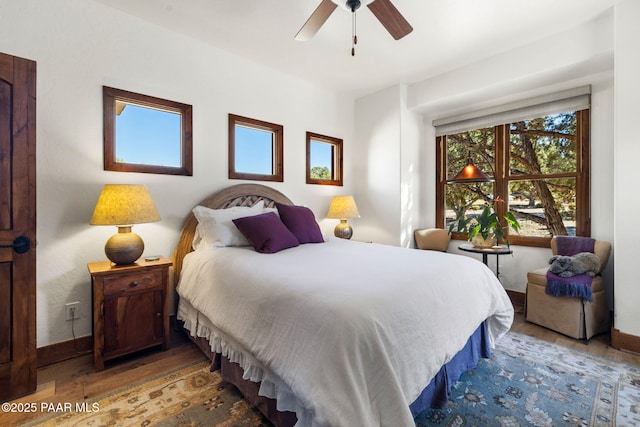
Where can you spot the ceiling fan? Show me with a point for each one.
(384, 10)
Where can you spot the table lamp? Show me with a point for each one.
(343, 207)
(123, 205)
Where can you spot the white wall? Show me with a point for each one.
(493, 81)
(388, 167)
(627, 152)
(411, 167)
(377, 166)
(79, 46)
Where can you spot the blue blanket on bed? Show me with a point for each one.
(436, 395)
(578, 286)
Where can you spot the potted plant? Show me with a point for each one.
(485, 229)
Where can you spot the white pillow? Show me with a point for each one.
(274, 210)
(216, 229)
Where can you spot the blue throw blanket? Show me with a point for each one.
(578, 286)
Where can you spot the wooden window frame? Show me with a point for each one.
(336, 158)
(503, 177)
(110, 96)
(278, 148)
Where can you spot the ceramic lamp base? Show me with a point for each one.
(343, 230)
(125, 247)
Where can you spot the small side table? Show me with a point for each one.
(494, 250)
(130, 307)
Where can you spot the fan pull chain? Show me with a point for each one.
(354, 39)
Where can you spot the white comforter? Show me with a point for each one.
(343, 333)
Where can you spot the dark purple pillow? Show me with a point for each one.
(266, 233)
(302, 223)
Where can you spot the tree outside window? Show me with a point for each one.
(540, 167)
(324, 160)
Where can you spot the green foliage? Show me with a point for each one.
(320, 172)
(485, 224)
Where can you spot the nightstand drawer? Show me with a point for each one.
(118, 285)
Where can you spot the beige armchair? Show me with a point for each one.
(573, 317)
(434, 239)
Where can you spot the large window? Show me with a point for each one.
(540, 172)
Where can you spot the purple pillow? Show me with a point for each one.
(266, 233)
(302, 223)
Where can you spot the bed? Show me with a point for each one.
(339, 332)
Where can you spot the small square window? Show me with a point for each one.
(324, 160)
(146, 134)
(255, 149)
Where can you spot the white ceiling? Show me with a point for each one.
(447, 34)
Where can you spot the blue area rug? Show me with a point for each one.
(529, 382)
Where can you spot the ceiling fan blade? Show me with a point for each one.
(315, 21)
(390, 18)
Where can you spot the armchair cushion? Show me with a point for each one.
(539, 277)
(435, 239)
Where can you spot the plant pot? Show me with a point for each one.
(480, 242)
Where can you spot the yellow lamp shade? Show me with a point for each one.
(343, 207)
(123, 205)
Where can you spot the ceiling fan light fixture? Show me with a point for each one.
(347, 4)
(353, 5)
(390, 18)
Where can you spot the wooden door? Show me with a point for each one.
(18, 357)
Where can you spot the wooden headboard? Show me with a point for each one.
(237, 195)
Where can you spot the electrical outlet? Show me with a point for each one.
(72, 310)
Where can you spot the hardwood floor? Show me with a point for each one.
(75, 380)
(598, 345)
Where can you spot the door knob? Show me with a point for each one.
(21, 244)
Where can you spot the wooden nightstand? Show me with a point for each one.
(130, 307)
